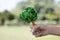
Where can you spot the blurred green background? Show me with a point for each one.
(12, 28)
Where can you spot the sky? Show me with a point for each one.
(56, 1)
(10, 4)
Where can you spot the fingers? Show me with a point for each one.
(33, 28)
(39, 34)
(35, 33)
(38, 30)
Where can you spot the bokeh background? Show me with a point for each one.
(13, 28)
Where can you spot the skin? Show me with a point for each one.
(40, 30)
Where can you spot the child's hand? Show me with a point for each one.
(40, 30)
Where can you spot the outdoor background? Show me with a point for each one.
(13, 28)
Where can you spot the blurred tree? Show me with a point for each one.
(38, 8)
(2, 21)
(11, 17)
(43, 18)
(51, 10)
(6, 15)
(57, 20)
(57, 11)
(22, 5)
(51, 16)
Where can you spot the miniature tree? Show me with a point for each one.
(29, 15)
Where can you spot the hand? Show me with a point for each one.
(40, 30)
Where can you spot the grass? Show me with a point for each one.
(22, 33)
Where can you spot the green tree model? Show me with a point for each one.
(29, 15)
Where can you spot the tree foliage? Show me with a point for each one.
(28, 15)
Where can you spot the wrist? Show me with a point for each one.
(51, 29)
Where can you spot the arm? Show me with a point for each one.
(54, 30)
(41, 30)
